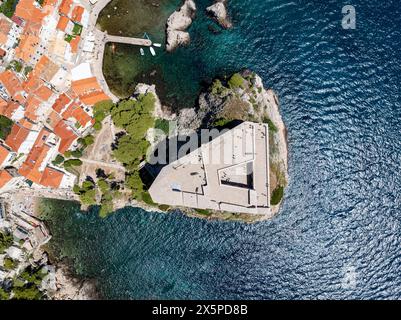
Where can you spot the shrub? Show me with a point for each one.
(58, 160)
(236, 81)
(6, 240)
(9, 263)
(277, 195)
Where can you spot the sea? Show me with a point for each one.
(338, 233)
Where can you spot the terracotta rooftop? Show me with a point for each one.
(30, 169)
(28, 11)
(76, 14)
(75, 111)
(85, 85)
(51, 178)
(93, 97)
(44, 93)
(4, 178)
(65, 7)
(62, 23)
(32, 104)
(66, 135)
(16, 137)
(5, 27)
(61, 102)
(8, 108)
(27, 46)
(10, 82)
(4, 152)
(74, 44)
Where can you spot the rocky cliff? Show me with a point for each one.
(177, 24)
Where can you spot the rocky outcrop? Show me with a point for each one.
(177, 25)
(218, 11)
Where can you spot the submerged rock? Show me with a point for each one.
(219, 12)
(177, 23)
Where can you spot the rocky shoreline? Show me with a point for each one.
(218, 11)
(177, 24)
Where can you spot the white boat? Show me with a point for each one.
(152, 51)
(158, 45)
(142, 51)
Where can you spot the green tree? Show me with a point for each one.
(4, 295)
(236, 81)
(29, 292)
(6, 240)
(5, 127)
(9, 264)
(58, 160)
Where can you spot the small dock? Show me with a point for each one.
(129, 40)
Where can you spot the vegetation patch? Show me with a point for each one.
(236, 81)
(8, 7)
(5, 127)
(77, 29)
(6, 240)
(162, 125)
(277, 195)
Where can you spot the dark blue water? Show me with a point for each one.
(338, 234)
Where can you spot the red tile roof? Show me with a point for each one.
(66, 135)
(28, 11)
(93, 97)
(10, 82)
(51, 178)
(61, 102)
(16, 137)
(30, 169)
(75, 111)
(4, 178)
(4, 153)
(77, 13)
(62, 23)
(65, 7)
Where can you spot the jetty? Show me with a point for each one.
(128, 40)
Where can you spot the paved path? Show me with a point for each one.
(103, 164)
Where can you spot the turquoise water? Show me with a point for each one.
(338, 234)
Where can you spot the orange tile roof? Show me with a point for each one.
(62, 23)
(50, 3)
(28, 11)
(16, 137)
(26, 123)
(32, 104)
(8, 109)
(93, 97)
(30, 168)
(66, 135)
(44, 93)
(76, 14)
(75, 111)
(85, 85)
(61, 102)
(74, 44)
(53, 119)
(32, 84)
(51, 178)
(27, 46)
(4, 152)
(10, 82)
(20, 98)
(4, 178)
(5, 27)
(65, 7)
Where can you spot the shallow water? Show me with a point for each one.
(338, 234)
